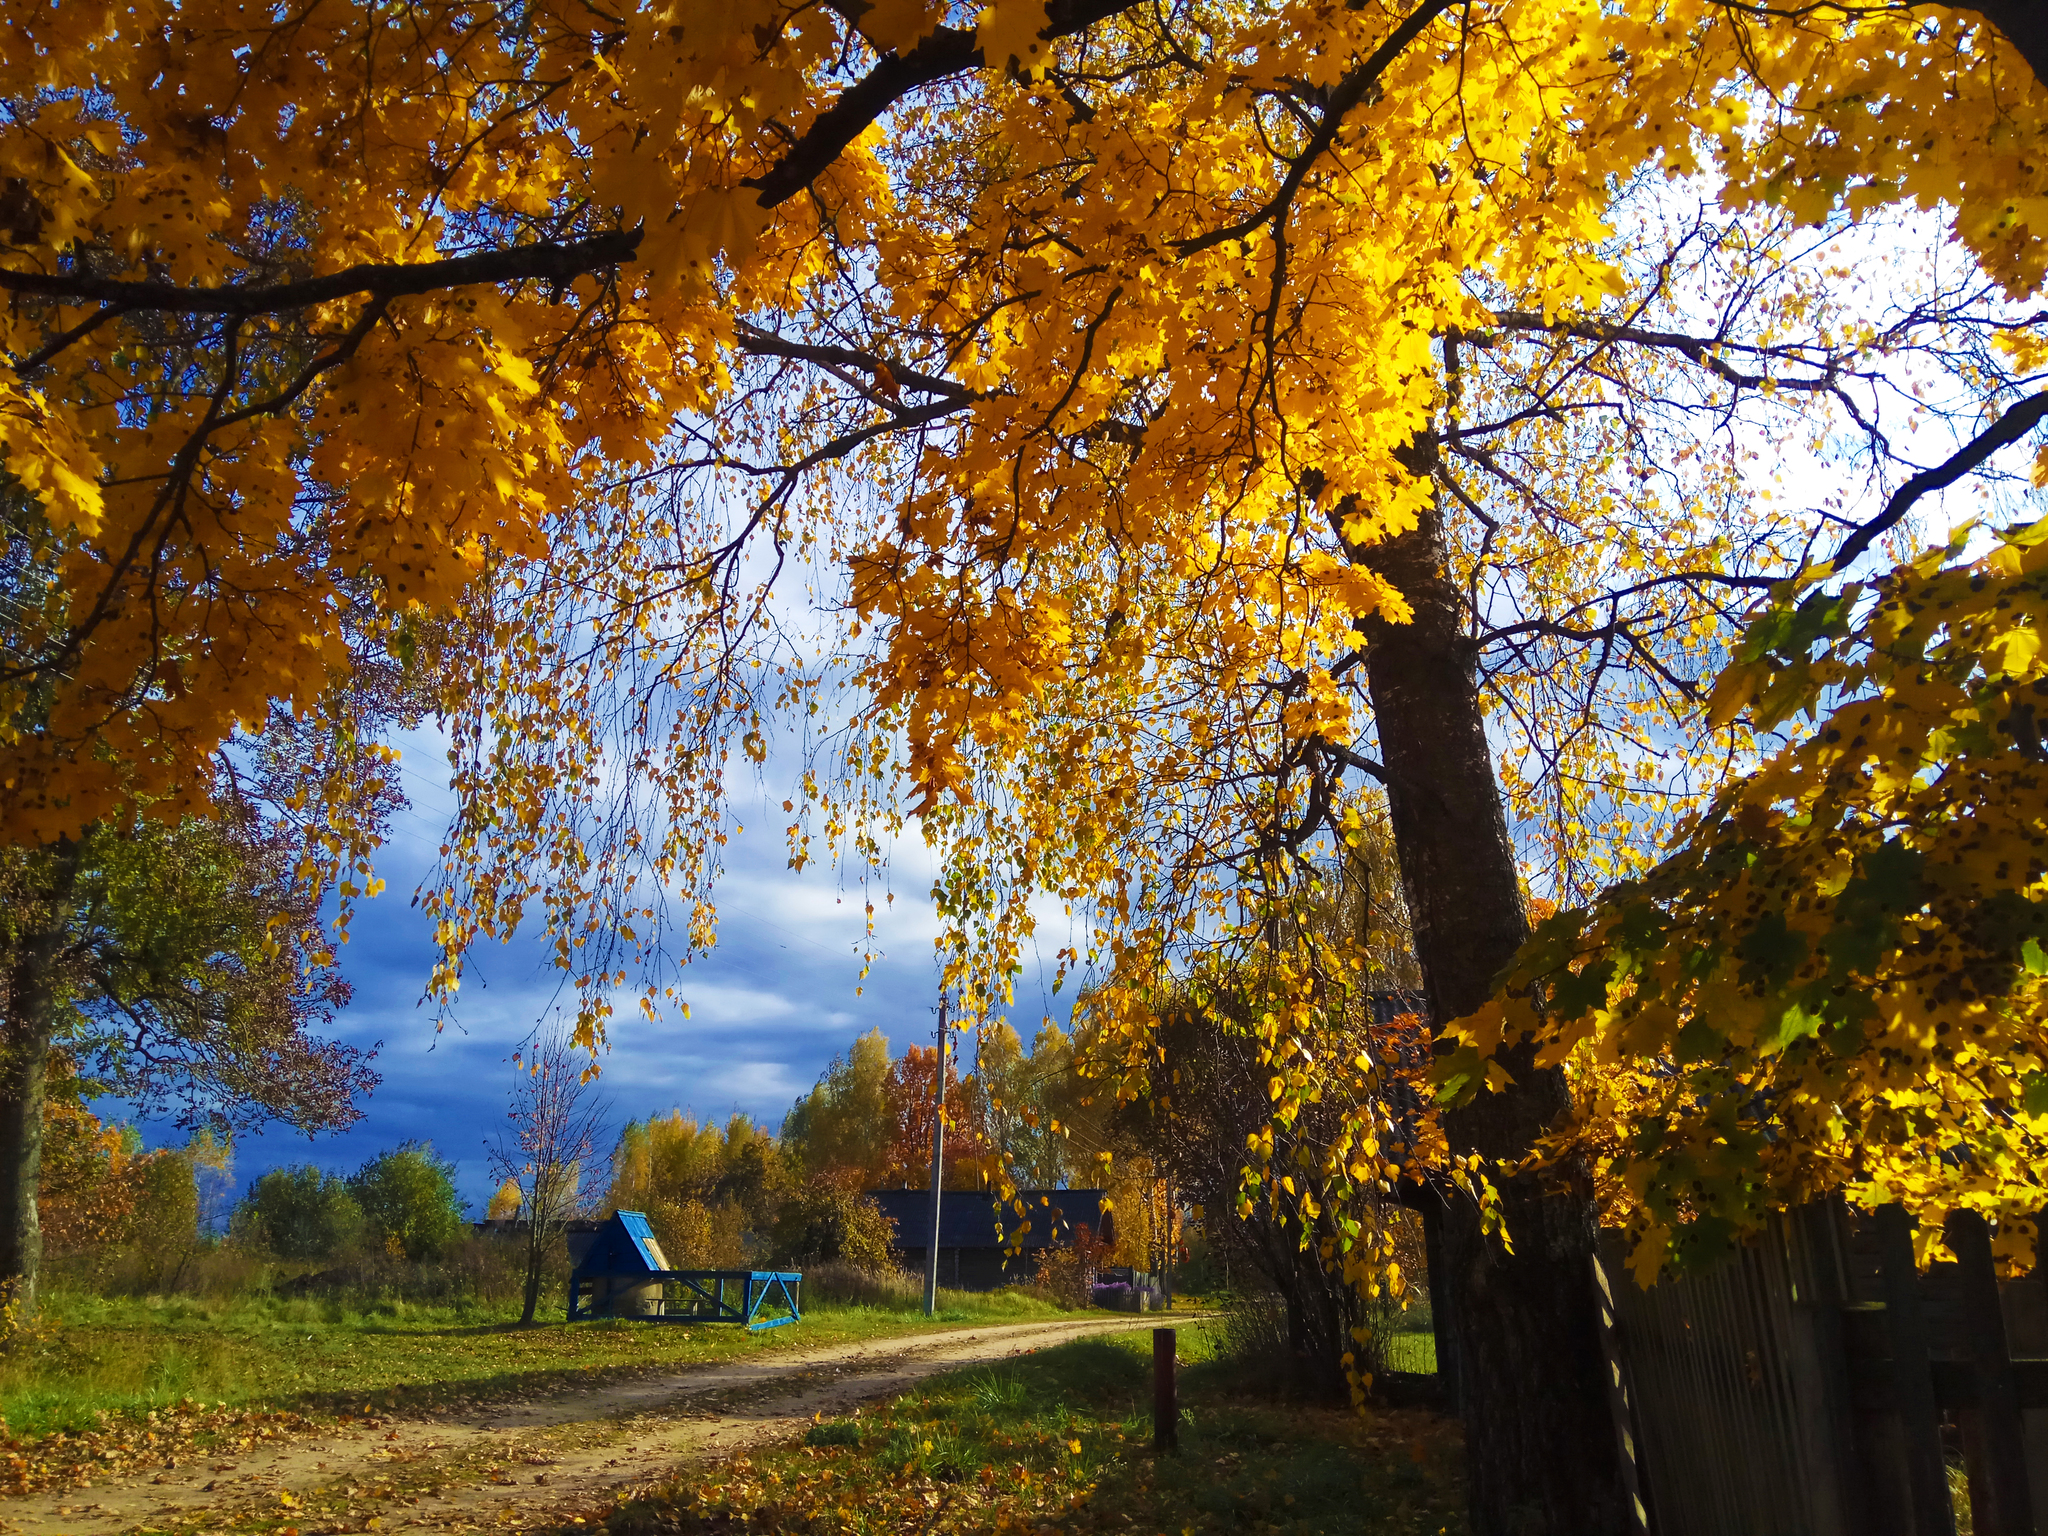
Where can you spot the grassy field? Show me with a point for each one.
(1061, 1442)
(1414, 1353)
(95, 1355)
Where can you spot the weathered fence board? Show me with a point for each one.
(1733, 1418)
(1817, 1384)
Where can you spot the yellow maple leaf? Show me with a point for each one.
(1009, 30)
(897, 25)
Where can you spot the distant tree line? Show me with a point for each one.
(401, 1204)
(733, 1195)
(724, 1195)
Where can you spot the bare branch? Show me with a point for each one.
(760, 343)
(2009, 428)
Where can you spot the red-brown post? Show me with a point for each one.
(1165, 1405)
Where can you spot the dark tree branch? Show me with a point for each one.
(1347, 758)
(1349, 92)
(341, 352)
(1564, 625)
(942, 52)
(760, 343)
(554, 261)
(2009, 428)
(58, 343)
(1703, 350)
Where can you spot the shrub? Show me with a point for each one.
(409, 1202)
(1256, 1343)
(1261, 1343)
(831, 1222)
(1066, 1274)
(165, 1226)
(298, 1213)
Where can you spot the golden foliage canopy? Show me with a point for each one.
(1087, 353)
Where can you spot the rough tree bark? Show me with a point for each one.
(40, 932)
(1539, 1443)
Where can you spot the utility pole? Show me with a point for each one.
(931, 1252)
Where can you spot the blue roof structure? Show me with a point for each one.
(624, 1245)
(967, 1217)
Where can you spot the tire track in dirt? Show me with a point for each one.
(518, 1461)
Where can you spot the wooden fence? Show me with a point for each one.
(1818, 1385)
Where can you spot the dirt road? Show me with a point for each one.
(537, 1457)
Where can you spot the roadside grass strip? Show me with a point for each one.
(1060, 1441)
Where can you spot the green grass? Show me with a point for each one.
(98, 1355)
(1414, 1353)
(1062, 1438)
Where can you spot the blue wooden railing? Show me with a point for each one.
(693, 1295)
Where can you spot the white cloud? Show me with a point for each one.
(713, 1003)
(766, 1082)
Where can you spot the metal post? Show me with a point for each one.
(931, 1253)
(1165, 1405)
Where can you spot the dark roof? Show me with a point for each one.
(967, 1217)
(624, 1245)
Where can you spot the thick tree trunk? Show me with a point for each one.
(1540, 1446)
(25, 1033)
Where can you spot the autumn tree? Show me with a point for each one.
(1118, 366)
(846, 1122)
(552, 1147)
(1029, 1109)
(1140, 592)
(709, 1192)
(298, 1213)
(409, 1203)
(108, 1204)
(911, 1107)
(172, 963)
(832, 1221)
(1187, 514)
(260, 437)
(85, 1197)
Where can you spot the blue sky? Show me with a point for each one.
(779, 996)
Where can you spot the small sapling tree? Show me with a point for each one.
(557, 1124)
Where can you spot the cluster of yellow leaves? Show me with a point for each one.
(1837, 980)
(1095, 597)
(220, 482)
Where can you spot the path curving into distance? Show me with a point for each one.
(536, 1456)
